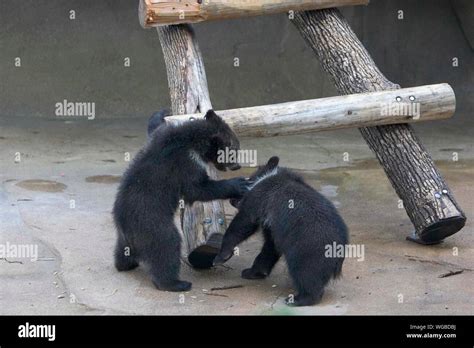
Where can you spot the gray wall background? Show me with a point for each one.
(82, 59)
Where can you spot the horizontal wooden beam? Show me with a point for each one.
(153, 13)
(406, 105)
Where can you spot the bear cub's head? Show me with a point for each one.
(262, 171)
(223, 140)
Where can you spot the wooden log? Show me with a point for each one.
(203, 224)
(154, 13)
(430, 102)
(427, 199)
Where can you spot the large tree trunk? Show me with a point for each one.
(203, 224)
(429, 202)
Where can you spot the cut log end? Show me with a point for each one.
(438, 231)
(203, 256)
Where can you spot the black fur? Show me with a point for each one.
(300, 233)
(156, 120)
(162, 173)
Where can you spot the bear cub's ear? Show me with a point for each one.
(273, 162)
(211, 116)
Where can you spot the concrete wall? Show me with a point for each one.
(82, 59)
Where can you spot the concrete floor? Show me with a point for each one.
(83, 161)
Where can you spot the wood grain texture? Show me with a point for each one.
(432, 102)
(154, 13)
(203, 222)
(427, 199)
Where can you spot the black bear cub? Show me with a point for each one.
(297, 222)
(169, 168)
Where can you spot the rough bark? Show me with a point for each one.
(432, 102)
(428, 201)
(154, 13)
(203, 224)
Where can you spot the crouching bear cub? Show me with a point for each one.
(297, 222)
(170, 168)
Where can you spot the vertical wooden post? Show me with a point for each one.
(203, 224)
(428, 201)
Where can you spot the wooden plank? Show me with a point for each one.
(431, 102)
(426, 197)
(203, 224)
(154, 13)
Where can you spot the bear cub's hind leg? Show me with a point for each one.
(304, 299)
(124, 260)
(163, 258)
(264, 262)
(309, 276)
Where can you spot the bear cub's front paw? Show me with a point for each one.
(240, 186)
(221, 258)
(251, 273)
(176, 286)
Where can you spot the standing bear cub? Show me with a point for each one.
(297, 222)
(169, 168)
